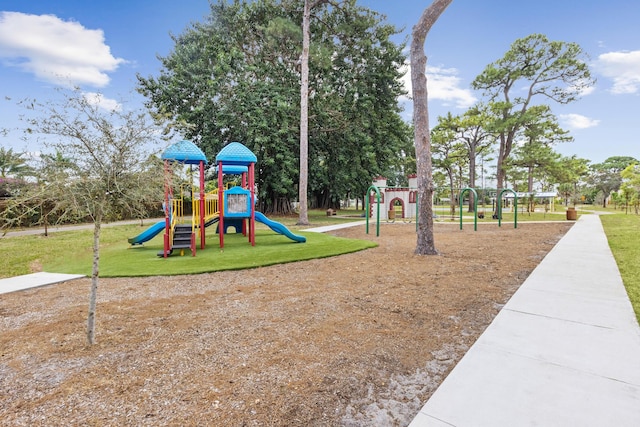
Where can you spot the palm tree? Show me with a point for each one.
(12, 164)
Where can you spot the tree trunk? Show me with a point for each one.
(452, 194)
(303, 218)
(472, 177)
(93, 295)
(530, 179)
(501, 173)
(426, 243)
(532, 201)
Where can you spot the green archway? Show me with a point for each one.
(475, 207)
(377, 190)
(515, 207)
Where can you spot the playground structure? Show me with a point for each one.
(395, 203)
(402, 198)
(238, 202)
(499, 210)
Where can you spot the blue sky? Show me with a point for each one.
(102, 45)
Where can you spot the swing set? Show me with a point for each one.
(498, 211)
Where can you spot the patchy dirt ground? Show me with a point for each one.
(356, 340)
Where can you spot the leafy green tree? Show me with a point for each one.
(478, 139)
(534, 153)
(15, 173)
(358, 132)
(13, 164)
(515, 178)
(605, 176)
(237, 76)
(534, 161)
(422, 141)
(630, 186)
(569, 172)
(101, 168)
(471, 131)
(232, 78)
(552, 69)
(449, 156)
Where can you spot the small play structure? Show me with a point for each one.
(395, 203)
(391, 203)
(238, 202)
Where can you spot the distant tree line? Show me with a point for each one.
(235, 77)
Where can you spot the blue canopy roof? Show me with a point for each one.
(184, 151)
(233, 169)
(236, 154)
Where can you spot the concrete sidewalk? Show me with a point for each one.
(326, 228)
(564, 351)
(34, 280)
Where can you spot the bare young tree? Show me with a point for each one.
(422, 141)
(108, 170)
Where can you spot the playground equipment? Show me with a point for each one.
(499, 210)
(515, 207)
(148, 234)
(398, 202)
(278, 228)
(177, 234)
(238, 202)
(475, 206)
(371, 189)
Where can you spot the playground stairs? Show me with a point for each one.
(182, 237)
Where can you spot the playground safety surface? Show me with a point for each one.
(355, 340)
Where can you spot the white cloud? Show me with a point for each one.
(99, 100)
(444, 84)
(578, 121)
(623, 68)
(57, 51)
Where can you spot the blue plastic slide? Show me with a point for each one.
(279, 228)
(147, 234)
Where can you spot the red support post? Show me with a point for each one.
(202, 196)
(244, 221)
(167, 208)
(220, 206)
(252, 220)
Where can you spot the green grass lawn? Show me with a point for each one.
(23, 255)
(623, 234)
(71, 252)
